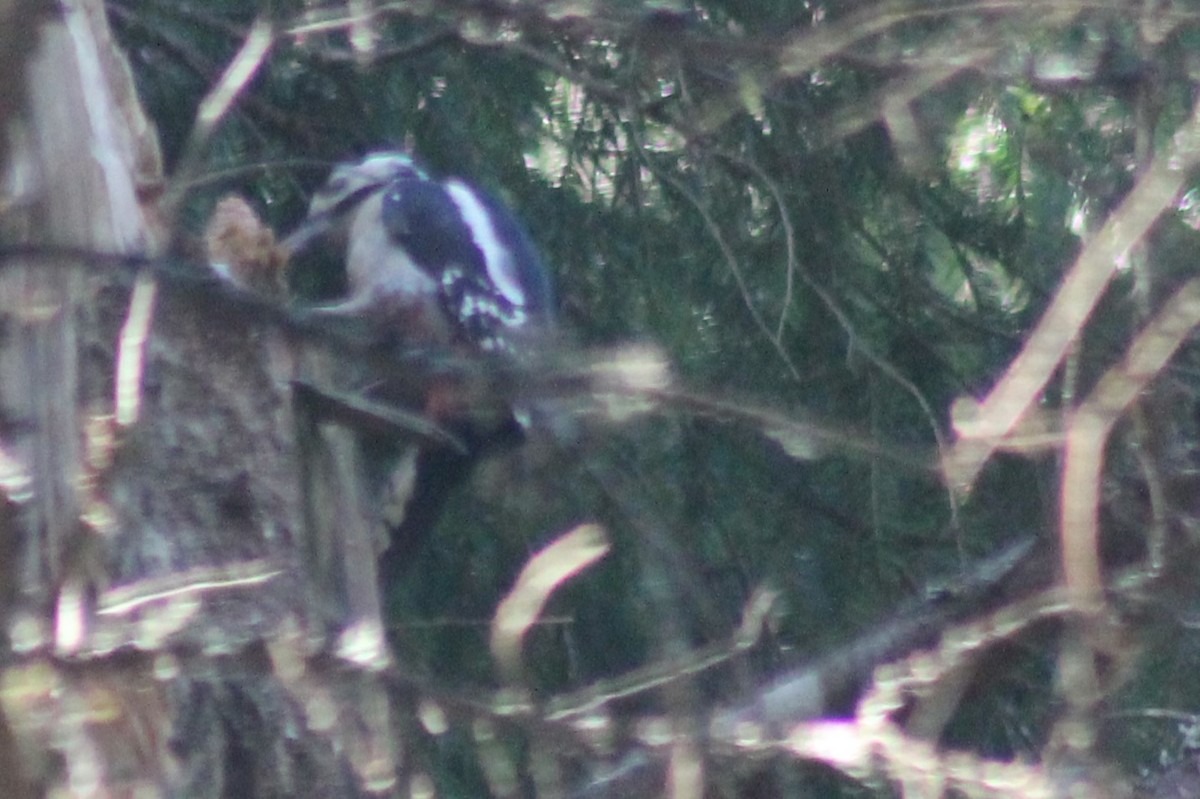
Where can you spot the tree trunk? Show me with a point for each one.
(168, 582)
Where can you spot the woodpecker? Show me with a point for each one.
(442, 259)
(439, 262)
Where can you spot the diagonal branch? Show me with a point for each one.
(1063, 321)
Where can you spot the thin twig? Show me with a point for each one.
(216, 105)
(731, 261)
(1090, 426)
(1081, 290)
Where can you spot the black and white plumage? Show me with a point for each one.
(441, 262)
(442, 255)
(347, 186)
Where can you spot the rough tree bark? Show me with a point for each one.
(181, 618)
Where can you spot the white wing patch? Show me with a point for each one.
(496, 257)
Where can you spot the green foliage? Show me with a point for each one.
(777, 233)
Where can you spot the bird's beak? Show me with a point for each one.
(309, 231)
(324, 221)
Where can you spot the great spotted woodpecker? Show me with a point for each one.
(441, 258)
(438, 262)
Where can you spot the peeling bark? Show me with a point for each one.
(170, 577)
